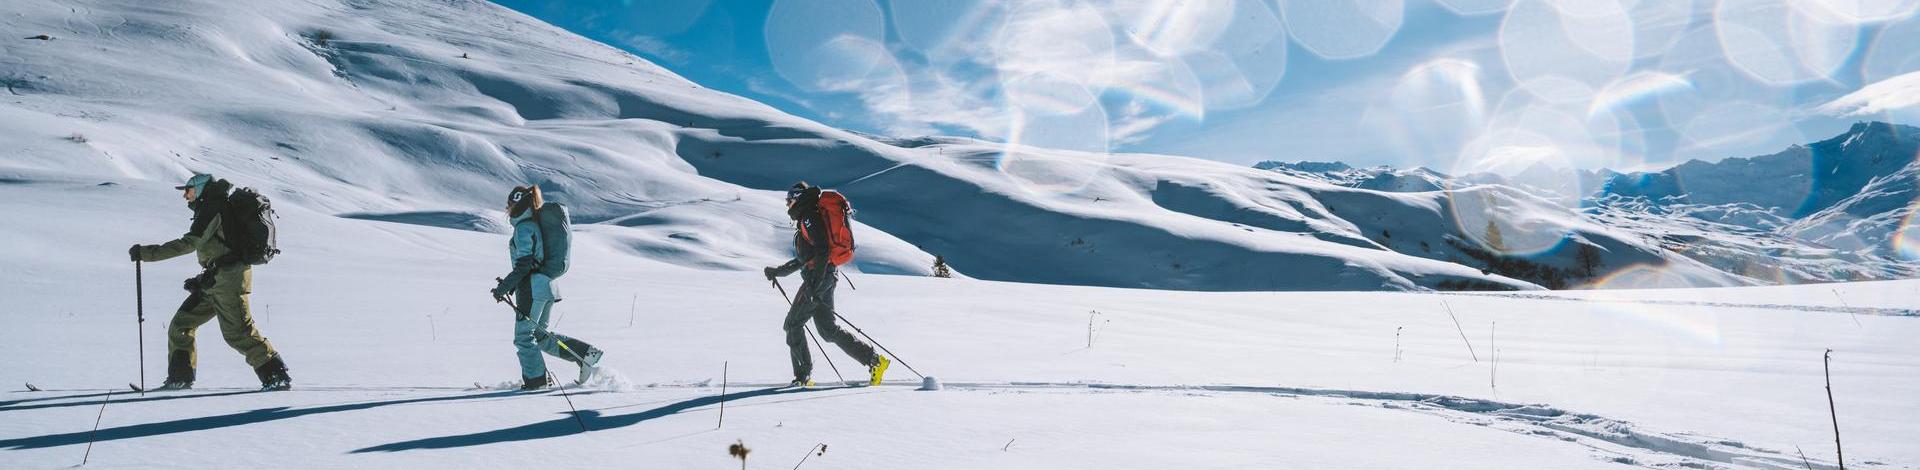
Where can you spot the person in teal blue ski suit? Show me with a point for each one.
(538, 229)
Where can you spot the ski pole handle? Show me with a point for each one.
(783, 292)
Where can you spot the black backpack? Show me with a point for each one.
(248, 227)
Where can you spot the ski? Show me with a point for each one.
(136, 388)
(32, 388)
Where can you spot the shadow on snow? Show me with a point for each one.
(213, 422)
(7, 406)
(565, 424)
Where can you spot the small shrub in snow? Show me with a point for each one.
(739, 450)
(940, 268)
(77, 138)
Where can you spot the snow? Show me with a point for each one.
(386, 153)
(385, 336)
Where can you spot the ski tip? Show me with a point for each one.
(32, 388)
(136, 388)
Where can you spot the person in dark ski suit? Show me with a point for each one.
(814, 300)
(531, 283)
(220, 291)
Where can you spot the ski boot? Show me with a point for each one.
(800, 383)
(589, 366)
(278, 383)
(879, 369)
(176, 384)
(273, 375)
(536, 383)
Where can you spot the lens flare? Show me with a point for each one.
(1474, 7)
(1041, 37)
(1435, 109)
(813, 43)
(1892, 53)
(1723, 101)
(1543, 40)
(942, 29)
(1162, 81)
(1658, 25)
(1636, 88)
(1174, 27)
(1610, 297)
(1905, 242)
(1863, 11)
(1245, 62)
(1776, 43)
(1056, 153)
(1342, 29)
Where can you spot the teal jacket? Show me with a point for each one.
(525, 252)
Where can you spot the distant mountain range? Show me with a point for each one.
(1831, 210)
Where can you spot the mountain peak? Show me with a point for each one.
(1304, 165)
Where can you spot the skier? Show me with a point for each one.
(816, 262)
(538, 251)
(220, 291)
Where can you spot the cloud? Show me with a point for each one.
(760, 84)
(1134, 124)
(1900, 93)
(655, 47)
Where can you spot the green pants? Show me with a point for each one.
(227, 301)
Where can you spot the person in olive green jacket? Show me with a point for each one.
(220, 291)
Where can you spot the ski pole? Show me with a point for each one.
(140, 323)
(563, 390)
(548, 330)
(883, 347)
(814, 336)
(843, 275)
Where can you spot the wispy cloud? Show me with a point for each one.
(1900, 93)
(1134, 124)
(1040, 58)
(655, 47)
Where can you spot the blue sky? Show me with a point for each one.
(1456, 85)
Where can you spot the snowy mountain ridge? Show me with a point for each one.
(424, 112)
(1827, 211)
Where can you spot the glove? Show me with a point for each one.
(134, 253)
(499, 292)
(199, 283)
(770, 274)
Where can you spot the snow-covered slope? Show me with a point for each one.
(422, 112)
(386, 337)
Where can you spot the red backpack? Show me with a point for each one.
(838, 215)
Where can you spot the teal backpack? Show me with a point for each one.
(556, 238)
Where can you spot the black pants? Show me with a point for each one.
(815, 302)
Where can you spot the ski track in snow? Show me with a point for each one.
(1624, 441)
(1891, 312)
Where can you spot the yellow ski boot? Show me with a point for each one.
(879, 369)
